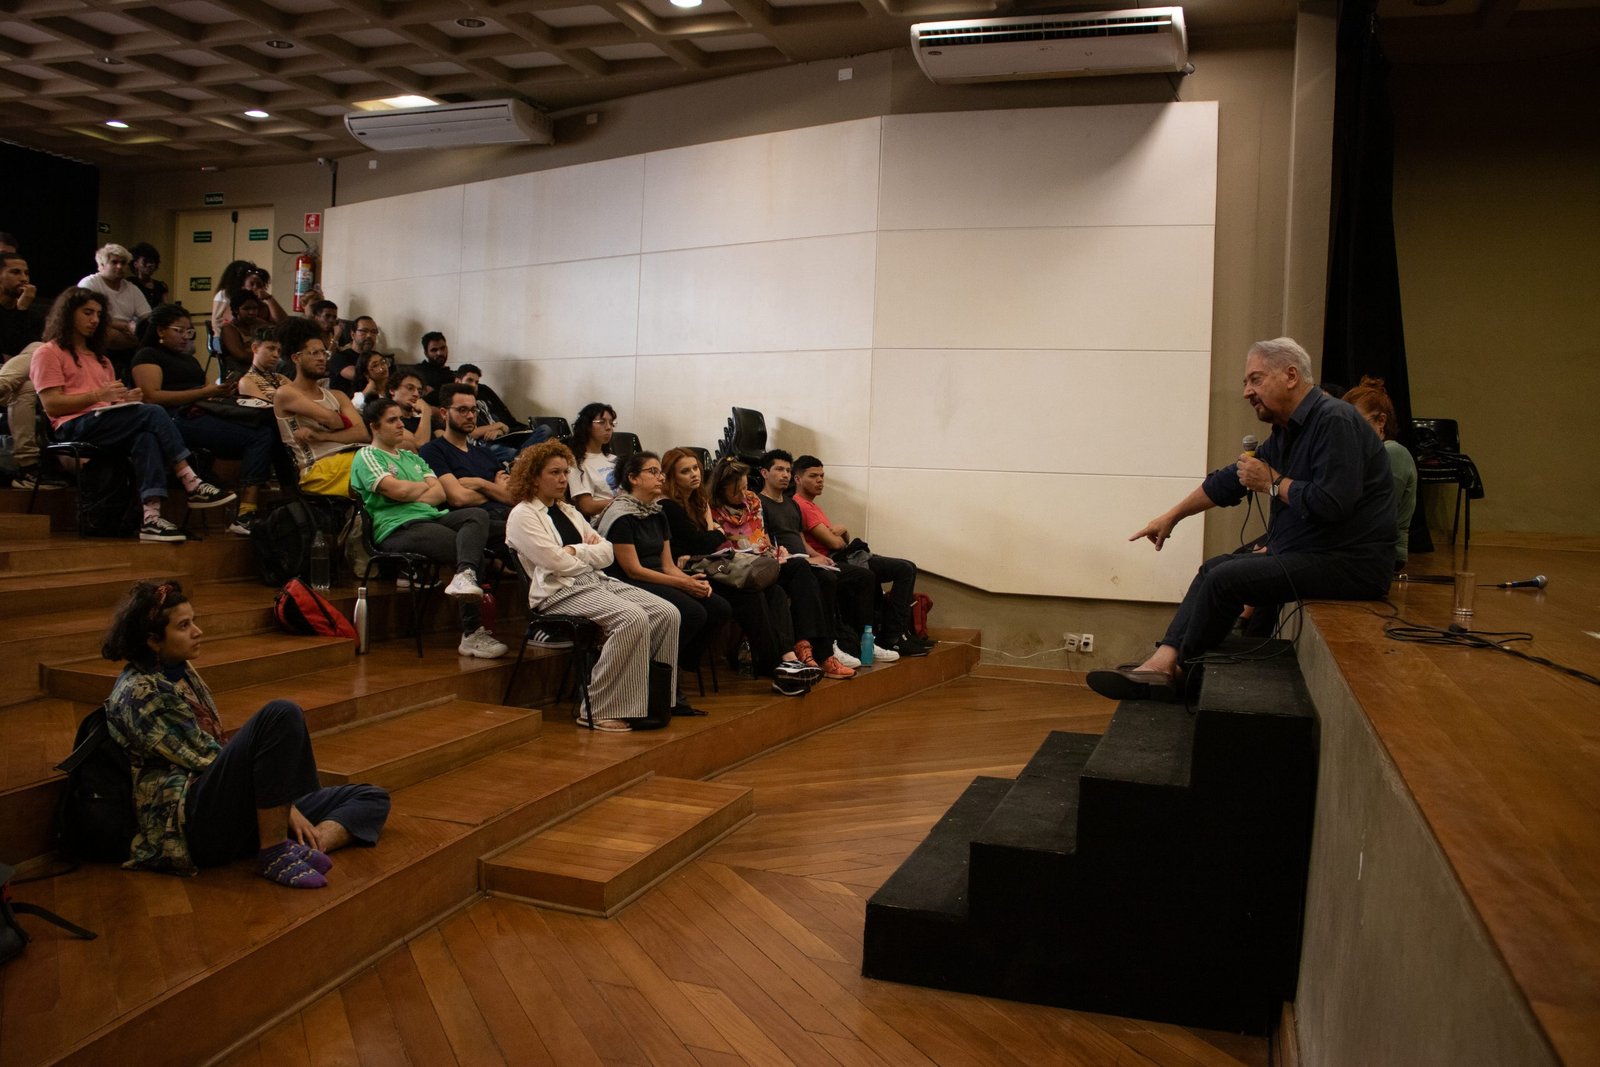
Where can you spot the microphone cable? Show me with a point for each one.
(1449, 637)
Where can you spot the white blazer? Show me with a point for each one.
(549, 567)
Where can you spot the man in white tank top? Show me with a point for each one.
(320, 427)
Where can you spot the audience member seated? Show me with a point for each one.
(1372, 400)
(263, 378)
(243, 274)
(344, 371)
(435, 366)
(593, 461)
(403, 498)
(318, 426)
(762, 614)
(248, 315)
(494, 418)
(142, 273)
(782, 518)
(125, 305)
(168, 374)
(893, 624)
(737, 511)
(1332, 532)
(326, 314)
(405, 389)
(86, 402)
(200, 802)
(376, 375)
(565, 561)
(472, 477)
(21, 328)
(642, 556)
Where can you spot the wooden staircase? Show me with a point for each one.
(189, 965)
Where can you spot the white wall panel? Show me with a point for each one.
(790, 296)
(407, 308)
(1141, 164)
(416, 235)
(1059, 535)
(1132, 287)
(844, 498)
(814, 402)
(590, 211)
(1125, 413)
(585, 308)
(798, 183)
(562, 386)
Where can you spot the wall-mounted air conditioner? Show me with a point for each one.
(478, 122)
(1142, 41)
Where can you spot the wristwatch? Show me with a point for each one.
(1275, 483)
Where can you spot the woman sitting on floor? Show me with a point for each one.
(642, 550)
(763, 614)
(201, 802)
(737, 512)
(565, 561)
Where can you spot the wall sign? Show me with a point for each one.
(258, 235)
(200, 285)
(313, 222)
(213, 199)
(202, 237)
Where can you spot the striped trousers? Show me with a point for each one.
(639, 627)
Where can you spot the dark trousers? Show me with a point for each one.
(267, 764)
(454, 538)
(894, 610)
(810, 603)
(697, 619)
(145, 431)
(1225, 584)
(764, 617)
(250, 444)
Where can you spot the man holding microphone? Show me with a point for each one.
(1332, 520)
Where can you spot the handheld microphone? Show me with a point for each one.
(1249, 445)
(1538, 581)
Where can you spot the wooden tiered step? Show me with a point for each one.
(24, 526)
(403, 749)
(605, 855)
(63, 588)
(231, 663)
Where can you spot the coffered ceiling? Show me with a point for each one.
(181, 74)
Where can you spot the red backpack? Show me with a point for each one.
(300, 609)
(921, 604)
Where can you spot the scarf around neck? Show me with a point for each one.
(625, 504)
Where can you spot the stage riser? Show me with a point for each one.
(1176, 893)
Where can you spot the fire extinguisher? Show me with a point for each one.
(305, 272)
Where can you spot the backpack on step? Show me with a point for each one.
(300, 609)
(95, 819)
(283, 535)
(921, 604)
(108, 499)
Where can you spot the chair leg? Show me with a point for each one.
(1455, 520)
(716, 687)
(511, 680)
(585, 708)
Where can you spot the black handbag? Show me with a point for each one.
(855, 554)
(245, 409)
(736, 570)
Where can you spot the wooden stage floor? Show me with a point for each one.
(1502, 760)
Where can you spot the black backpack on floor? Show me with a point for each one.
(108, 499)
(96, 818)
(282, 537)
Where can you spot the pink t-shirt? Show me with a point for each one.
(53, 367)
(812, 516)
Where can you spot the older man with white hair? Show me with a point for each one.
(126, 306)
(1332, 526)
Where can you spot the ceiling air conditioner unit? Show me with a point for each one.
(477, 122)
(1142, 41)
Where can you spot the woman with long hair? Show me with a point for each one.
(737, 512)
(762, 614)
(85, 401)
(239, 275)
(168, 374)
(203, 802)
(565, 561)
(593, 463)
(1371, 398)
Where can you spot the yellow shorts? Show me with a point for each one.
(328, 476)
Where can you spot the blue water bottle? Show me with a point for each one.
(866, 645)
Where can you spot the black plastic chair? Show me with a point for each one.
(624, 444)
(581, 635)
(80, 453)
(704, 456)
(560, 429)
(420, 570)
(1440, 461)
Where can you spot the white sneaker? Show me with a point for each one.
(844, 657)
(884, 655)
(159, 529)
(482, 644)
(464, 586)
(239, 527)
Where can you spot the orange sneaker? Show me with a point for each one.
(832, 668)
(802, 649)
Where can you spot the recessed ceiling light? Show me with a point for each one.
(116, 124)
(112, 61)
(277, 43)
(471, 24)
(256, 113)
(685, 3)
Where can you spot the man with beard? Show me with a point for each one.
(1332, 529)
(21, 326)
(319, 426)
(435, 366)
(347, 370)
(470, 474)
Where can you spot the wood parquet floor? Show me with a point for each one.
(750, 954)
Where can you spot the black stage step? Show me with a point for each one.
(1157, 871)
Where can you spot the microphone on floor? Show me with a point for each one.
(1538, 581)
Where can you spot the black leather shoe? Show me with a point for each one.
(1125, 683)
(683, 710)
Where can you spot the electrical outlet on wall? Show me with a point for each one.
(1070, 640)
(1086, 643)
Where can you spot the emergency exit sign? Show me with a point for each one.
(213, 200)
(258, 235)
(202, 237)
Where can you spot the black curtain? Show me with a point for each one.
(1363, 332)
(51, 207)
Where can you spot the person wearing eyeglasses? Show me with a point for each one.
(347, 367)
(471, 475)
(168, 374)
